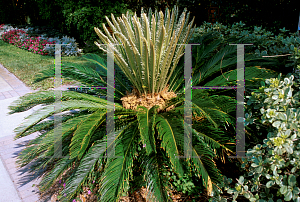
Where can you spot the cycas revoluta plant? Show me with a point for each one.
(150, 137)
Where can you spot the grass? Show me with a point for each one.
(26, 65)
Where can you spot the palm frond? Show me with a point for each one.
(83, 133)
(204, 106)
(50, 178)
(146, 119)
(204, 164)
(170, 131)
(148, 54)
(157, 187)
(87, 164)
(44, 144)
(216, 141)
(118, 171)
(31, 100)
(48, 111)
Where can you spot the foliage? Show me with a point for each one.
(74, 71)
(159, 5)
(186, 184)
(83, 17)
(266, 13)
(67, 50)
(77, 18)
(273, 168)
(212, 138)
(150, 45)
(265, 43)
(84, 127)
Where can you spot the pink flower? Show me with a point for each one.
(59, 181)
(89, 191)
(64, 184)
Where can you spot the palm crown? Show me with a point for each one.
(149, 46)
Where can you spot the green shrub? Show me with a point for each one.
(272, 167)
(265, 43)
(78, 18)
(83, 18)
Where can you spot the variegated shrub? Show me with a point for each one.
(273, 167)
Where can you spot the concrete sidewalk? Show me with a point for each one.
(16, 184)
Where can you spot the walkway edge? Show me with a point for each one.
(15, 186)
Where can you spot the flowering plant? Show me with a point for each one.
(39, 45)
(20, 39)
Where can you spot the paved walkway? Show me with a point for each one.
(16, 184)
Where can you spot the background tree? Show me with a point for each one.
(272, 14)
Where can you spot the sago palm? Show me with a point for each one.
(150, 132)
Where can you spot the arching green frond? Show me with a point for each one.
(47, 125)
(43, 144)
(30, 100)
(204, 165)
(47, 97)
(212, 57)
(156, 185)
(146, 119)
(171, 132)
(118, 171)
(42, 126)
(91, 73)
(87, 163)
(204, 106)
(213, 140)
(213, 64)
(49, 179)
(101, 67)
(48, 111)
(225, 103)
(83, 133)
